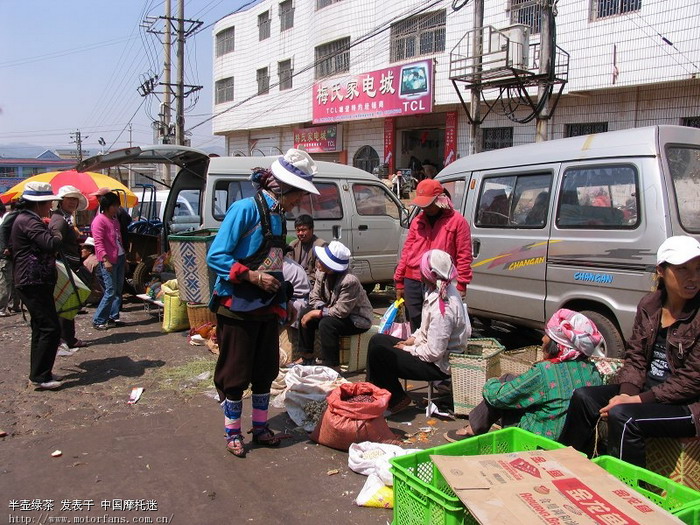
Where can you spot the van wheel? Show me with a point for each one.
(142, 274)
(613, 345)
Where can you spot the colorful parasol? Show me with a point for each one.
(87, 182)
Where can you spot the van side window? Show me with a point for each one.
(519, 201)
(599, 197)
(326, 205)
(455, 188)
(226, 192)
(684, 165)
(371, 199)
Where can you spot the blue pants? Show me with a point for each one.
(113, 284)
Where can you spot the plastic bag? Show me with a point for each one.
(373, 458)
(375, 494)
(347, 420)
(388, 318)
(174, 310)
(305, 384)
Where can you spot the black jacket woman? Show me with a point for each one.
(658, 394)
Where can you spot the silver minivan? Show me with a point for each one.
(575, 223)
(353, 206)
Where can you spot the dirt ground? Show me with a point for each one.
(168, 448)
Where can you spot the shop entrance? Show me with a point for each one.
(421, 151)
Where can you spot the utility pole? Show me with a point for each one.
(78, 141)
(546, 65)
(478, 52)
(180, 96)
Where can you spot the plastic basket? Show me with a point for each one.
(189, 258)
(198, 314)
(519, 361)
(421, 494)
(683, 502)
(471, 370)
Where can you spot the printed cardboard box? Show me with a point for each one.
(545, 486)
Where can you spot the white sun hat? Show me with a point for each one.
(334, 255)
(72, 191)
(296, 168)
(38, 192)
(89, 242)
(678, 249)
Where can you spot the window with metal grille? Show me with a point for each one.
(691, 122)
(286, 15)
(225, 41)
(224, 90)
(320, 4)
(284, 72)
(606, 8)
(497, 138)
(366, 159)
(528, 12)
(333, 57)
(263, 81)
(264, 25)
(419, 35)
(586, 128)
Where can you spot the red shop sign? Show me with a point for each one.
(450, 138)
(400, 90)
(318, 139)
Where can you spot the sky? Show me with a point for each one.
(68, 65)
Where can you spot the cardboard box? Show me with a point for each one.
(556, 487)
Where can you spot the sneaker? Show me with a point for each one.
(100, 326)
(79, 343)
(48, 385)
(4, 313)
(114, 323)
(64, 351)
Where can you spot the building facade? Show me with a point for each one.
(367, 82)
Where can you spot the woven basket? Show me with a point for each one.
(519, 361)
(198, 314)
(189, 258)
(471, 370)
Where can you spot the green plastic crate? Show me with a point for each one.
(681, 501)
(421, 494)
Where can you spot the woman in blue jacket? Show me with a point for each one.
(250, 296)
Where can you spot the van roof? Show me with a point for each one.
(633, 142)
(244, 165)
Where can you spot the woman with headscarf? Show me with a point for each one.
(438, 226)
(658, 387)
(537, 400)
(250, 295)
(33, 247)
(425, 354)
(63, 222)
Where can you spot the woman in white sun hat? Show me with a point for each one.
(250, 295)
(338, 306)
(34, 249)
(63, 222)
(658, 390)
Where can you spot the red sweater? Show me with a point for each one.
(450, 233)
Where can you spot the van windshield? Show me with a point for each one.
(684, 165)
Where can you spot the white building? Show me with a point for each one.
(631, 63)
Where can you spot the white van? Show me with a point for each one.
(575, 223)
(353, 207)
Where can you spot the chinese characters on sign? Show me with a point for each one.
(390, 92)
(389, 144)
(319, 139)
(450, 138)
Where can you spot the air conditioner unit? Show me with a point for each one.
(508, 48)
(519, 43)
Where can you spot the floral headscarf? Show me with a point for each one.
(574, 334)
(437, 268)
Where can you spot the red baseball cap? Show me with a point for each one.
(426, 192)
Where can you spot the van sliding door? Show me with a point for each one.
(509, 214)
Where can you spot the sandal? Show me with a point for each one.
(459, 434)
(236, 446)
(79, 343)
(267, 438)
